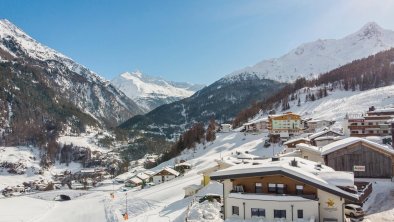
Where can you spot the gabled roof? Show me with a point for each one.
(296, 140)
(143, 176)
(306, 171)
(332, 147)
(135, 180)
(303, 146)
(184, 164)
(169, 170)
(318, 134)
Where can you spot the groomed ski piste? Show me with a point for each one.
(166, 202)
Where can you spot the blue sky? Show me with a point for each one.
(195, 41)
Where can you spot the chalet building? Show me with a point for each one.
(285, 125)
(183, 167)
(133, 182)
(285, 189)
(315, 124)
(164, 175)
(144, 177)
(376, 122)
(327, 133)
(259, 125)
(363, 157)
(293, 142)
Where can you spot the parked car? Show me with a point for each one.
(353, 210)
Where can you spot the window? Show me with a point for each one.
(306, 157)
(258, 212)
(385, 131)
(279, 213)
(300, 214)
(259, 187)
(280, 188)
(299, 189)
(370, 124)
(272, 188)
(239, 188)
(235, 210)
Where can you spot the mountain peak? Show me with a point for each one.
(320, 56)
(370, 29)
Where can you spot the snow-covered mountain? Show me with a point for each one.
(150, 92)
(36, 77)
(313, 58)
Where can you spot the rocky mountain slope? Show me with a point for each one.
(150, 92)
(221, 100)
(313, 58)
(41, 86)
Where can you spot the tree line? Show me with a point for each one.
(362, 74)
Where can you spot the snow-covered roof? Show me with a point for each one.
(125, 176)
(184, 164)
(135, 180)
(338, 178)
(143, 176)
(391, 109)
(246, 156)
(149, 172)
(318, 120)
(318, 134)
(265, 119)
(212, 188)
(306, 170)
(170, 170)
(295, 140)
(193, 187)
(328, 138)
(303, 146)
(332, 147)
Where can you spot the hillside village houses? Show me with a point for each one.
(258, 125)
(316, 124)
(286, 188)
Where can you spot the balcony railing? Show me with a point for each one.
(306, 196)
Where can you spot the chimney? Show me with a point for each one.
(294, 163)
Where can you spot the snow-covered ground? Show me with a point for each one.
(164, 202)
(380, 205)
